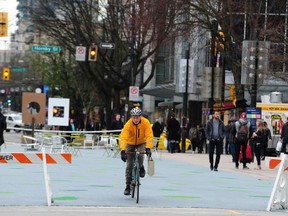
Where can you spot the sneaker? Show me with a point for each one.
(245, 167)
(215, 169)
(142, 172)
(127, 190)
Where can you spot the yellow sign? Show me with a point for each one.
(3, 24)
(273, 107)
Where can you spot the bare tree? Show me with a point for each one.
(238, 20)
(137, 27)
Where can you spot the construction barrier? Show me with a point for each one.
(279, 195)
(38, 158)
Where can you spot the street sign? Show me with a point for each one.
(80, 53)
(133, 93)
(46, 49)
(107, 45)
(19, 70)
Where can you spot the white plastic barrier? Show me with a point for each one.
(38, 158)
(279, 195)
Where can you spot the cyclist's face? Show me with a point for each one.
(136, 119)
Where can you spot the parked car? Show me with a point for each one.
(13, 120)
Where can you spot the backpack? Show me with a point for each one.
(242, 134)
(193, 134)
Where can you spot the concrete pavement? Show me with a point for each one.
(180, 181)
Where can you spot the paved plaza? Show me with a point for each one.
(181, 180)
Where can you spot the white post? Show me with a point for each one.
(47, 179)
(280, 188)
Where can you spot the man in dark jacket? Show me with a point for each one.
(173, 128)
(284, 137)
(215, 130)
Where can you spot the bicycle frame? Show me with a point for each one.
(135, 184)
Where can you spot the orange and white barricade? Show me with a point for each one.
(38, 158)
(279, 195)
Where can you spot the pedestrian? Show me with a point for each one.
(3, 127)
(258, 138)
(267, 136)
(117, 123)
(201, 138)
(242, 132)
(215, 134)
(136, 133)
(230, 139)
(173, 128)
(194, 139)
(157, 129)
(284, 137)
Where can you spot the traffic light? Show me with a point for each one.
(93, 53)
(6, 73)
(9, 101)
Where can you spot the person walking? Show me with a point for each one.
(136, 133)
(157, 129)
(173, 128)
(258, 138)
(3, 127)
(194, 138)
(284, 137)
(215, 134)
(242, 132)
(230, 139)
(267, 136)
(201, 138)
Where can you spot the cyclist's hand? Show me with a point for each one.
(123, 156)
(148, 152)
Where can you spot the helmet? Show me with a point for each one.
(135, 112)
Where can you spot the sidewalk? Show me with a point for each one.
(225, 164)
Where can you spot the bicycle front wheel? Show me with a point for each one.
(137, 186)
(133, 189)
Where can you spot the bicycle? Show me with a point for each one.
(135, 183)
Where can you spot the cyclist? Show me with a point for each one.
(137, 133)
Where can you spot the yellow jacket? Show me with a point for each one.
(136, 134)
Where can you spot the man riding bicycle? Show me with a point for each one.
(137, 133)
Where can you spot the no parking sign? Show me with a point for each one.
(133, 93)
(80, 53)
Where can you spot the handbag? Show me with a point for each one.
(249, 156)
(151, 166)
(279, 146)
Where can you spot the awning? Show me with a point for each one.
(162, 91)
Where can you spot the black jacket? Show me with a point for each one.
(173, 128)
(209, 129)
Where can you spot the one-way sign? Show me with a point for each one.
(107, 45)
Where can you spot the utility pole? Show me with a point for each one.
(185, 101)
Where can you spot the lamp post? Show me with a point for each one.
(185, 101)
